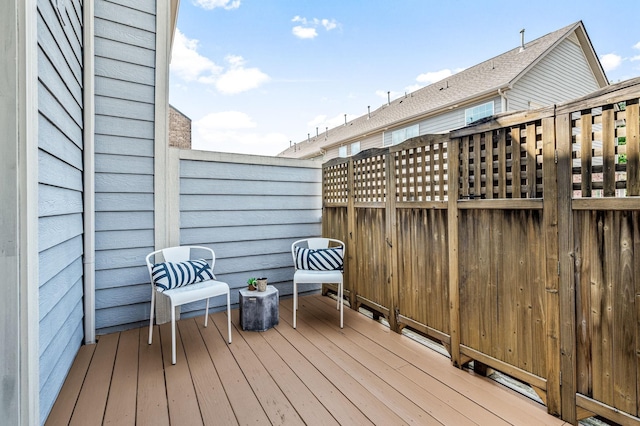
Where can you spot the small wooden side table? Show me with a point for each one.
(259, 310)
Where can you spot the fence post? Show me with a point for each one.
(351, 236)
(453, 168)
(550, 229)
(566, 290)
(391, 235)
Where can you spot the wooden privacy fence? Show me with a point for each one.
(514, 242)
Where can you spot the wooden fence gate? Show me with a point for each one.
(515, 243)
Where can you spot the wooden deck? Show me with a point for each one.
(316, 375)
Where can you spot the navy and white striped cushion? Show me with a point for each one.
(330, 259)
(170, 275)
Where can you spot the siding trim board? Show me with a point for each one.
(19, 308)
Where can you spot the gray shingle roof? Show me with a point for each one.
(471, 83)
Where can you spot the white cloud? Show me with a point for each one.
(188, 64)
(226, 120)
(433, 76)
(610, 61)
(231, 131)
(637, 45)
(635, 58)
(212, 4)
(191, 66)
(238, 78)
(329, 24)
(304, 32)
(308, 27)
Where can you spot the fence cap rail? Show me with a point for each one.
(506, 119)
(611, 94)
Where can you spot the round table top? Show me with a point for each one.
(255, 293)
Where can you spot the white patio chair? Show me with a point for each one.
(203, 289)
(317, 266)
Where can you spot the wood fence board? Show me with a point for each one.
(624, 356)
(586, 160)
(484, 273)
(612, 262)
(636, 317)
(608, 152)
(516, 181)
(597, 288)
(565, 248)
(488, 140)
(502, 163)
(519, 270)
(633, 148)
(583, 226)
(537, 264)
(531, 160)
(508, 292)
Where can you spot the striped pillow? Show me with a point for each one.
(330, 259)
(170, 275)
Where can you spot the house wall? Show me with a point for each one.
(60, 226)
(125, 44)
(563, 74)
(248, 209)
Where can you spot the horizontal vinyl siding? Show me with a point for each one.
(249, 214)
(562, 75)
(124, 145)
(60, 209)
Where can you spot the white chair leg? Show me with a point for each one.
(153, 304)
(173, 334)
(229, 316)
(295, 302)
(341, 293)
(206, 313)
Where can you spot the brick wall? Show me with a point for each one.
(179, 129)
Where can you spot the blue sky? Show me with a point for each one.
(256, 74)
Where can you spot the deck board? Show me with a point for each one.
(121, 403)
(316, 374)
(151, 403)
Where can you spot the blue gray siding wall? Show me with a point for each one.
(60, 244)
(563, 74)
(249, 210)
(124, 144)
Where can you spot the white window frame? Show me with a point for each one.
(355, 148)
(478, 112)
(401, 135)
(342, 151)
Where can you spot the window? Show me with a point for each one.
(401, 135)
(355, 148)
(342, 152)
(477, 112)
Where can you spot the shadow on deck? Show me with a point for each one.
(316, 374)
